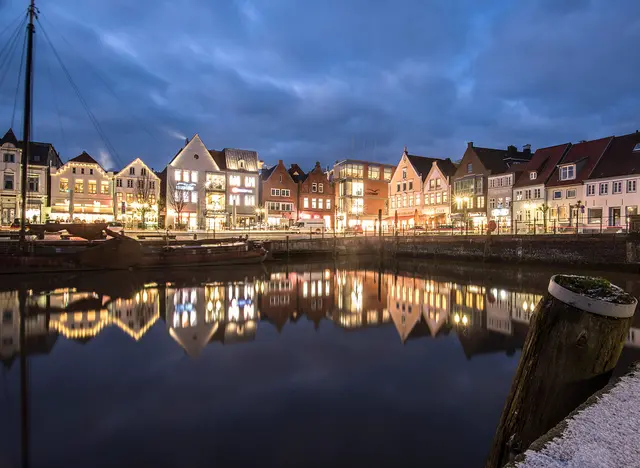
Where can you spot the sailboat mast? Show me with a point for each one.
(26, 134)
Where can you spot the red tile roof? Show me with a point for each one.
(619, 159)
(544, 161)
(585, 156)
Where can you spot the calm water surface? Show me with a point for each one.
(298, 365)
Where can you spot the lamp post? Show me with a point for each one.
(579, 207)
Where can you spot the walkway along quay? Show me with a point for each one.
(606, 251)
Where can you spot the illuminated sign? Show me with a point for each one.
(188, 186)
(240, 190)
(500, 212)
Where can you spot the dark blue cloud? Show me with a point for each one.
(307, 81)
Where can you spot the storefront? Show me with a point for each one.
(502, 217)
(34, 210)
(9, 209)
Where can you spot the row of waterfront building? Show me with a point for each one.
(586, 185)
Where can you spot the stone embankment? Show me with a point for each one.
(598, 250)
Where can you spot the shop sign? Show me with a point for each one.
(500, 212)
(240, 190)
(187, 186)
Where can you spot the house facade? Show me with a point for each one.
(10, 171)
(470, 182)
(530, 205)
(242, 171)
(611, 190)
(565, 189)
(437, 193)
(405, 190)
(193, 189)
(81, 191)
(278, 196)
(499, 194)
(361, 190)
(316, 197)
(137, 191)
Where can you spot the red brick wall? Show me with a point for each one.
(316, 176)
(279, 179)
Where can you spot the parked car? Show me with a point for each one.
(314, 225)
(357, 229)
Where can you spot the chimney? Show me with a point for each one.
(526, 149)
(511, 150)
(317, 163)
(470, 144)
(280, 162)
(186, 141)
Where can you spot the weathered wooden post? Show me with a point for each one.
(575, 339)
(287, 243)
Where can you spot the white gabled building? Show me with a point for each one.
(137, 191)
(193, 189)
(10, 177)
(611, 191)
(437, 193)
(82, 191)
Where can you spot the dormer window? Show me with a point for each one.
(533, 175)
(241, 164)
(636, 149)
(568, 172)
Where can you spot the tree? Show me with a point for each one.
(544, 208)
(177, 200)
(145, 192)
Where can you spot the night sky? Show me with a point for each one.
(326, 80)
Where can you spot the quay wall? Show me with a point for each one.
(604, 250)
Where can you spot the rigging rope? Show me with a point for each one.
(100, 77)
(15, 99)
(55, 100)
(109, 146)
(9, 48)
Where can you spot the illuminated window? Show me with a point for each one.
(249, 200)
(320, 188)
(194, 197)
(64, 185)
(328, 204)
(305, 202)
(194, 176)
(249, 182)
(234, 180)
(104, 187)
(313, 203)
(79, 186)
(178, 175)
(92, 186)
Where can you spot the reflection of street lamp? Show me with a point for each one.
(465, 206)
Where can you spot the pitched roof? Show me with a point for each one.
(84, 158)
(447, 167)
(41, 150)
(266, 173)
(585, 156)
(421, 164)
(9, 137)
(219, 158)
(619, 159)
(233, 156)
(499, 160)
(297, 174)
(544, 161)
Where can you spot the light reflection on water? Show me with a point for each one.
(410, 339)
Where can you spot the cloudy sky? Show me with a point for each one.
(325, 80)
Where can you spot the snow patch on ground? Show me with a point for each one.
(604, 434)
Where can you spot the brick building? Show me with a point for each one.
(316, 196)
(278, 196)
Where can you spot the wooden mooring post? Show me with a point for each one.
(574, 341)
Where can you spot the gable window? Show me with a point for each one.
(631, 185)
(591, 190)
(118, 182)
(275, 192)
(320, 188)
(404, 173)
(314, 187)
(469, 168)
(82, 170)
(9, 158)
(571, 193)
(398, 187)
(411, 185)
(285, 192)
(129, 183)
(417, 198)
(404, 186)
(568, 172)
(533, 175)
(132, 171)
(241, 164)
(604, 188)
(143, 171)
(617, 187)
(280, 178)
(90, 171)
(73, 170)
(557, 194)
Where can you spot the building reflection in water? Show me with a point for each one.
(485, 318)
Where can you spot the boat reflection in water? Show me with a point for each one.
(485, 319)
